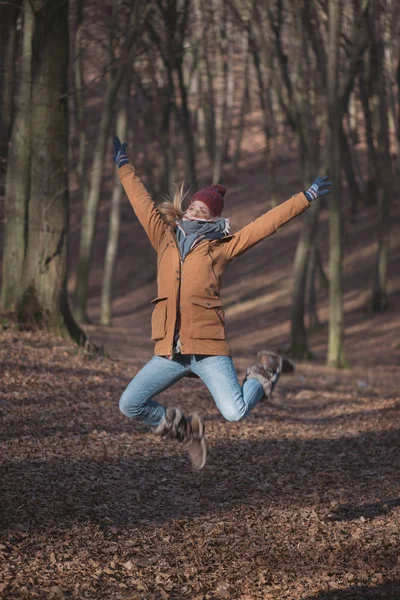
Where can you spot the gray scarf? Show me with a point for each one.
(194, 231)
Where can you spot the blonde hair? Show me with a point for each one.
(171, 208)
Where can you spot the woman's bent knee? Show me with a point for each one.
(130, 407)
(234, 414)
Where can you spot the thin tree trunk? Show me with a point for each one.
(323, 281)
(79, 96)
(372, 174)
(114, 226)
(299, 343)
(313, 321)
(398, 111)
(308, 156)
(90, 210)
(8, 48)
(352, 119)
(268, 122)
(335, 357)
(17, 186)
(225, 95)
(354, 189)
(220, 83)
(169, 107)
(207, 108)
(230, 95)
(43, 300)
(379, 295)
(243, 101)
(190, 159)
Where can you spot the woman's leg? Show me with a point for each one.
(157, 375)
(219, 374)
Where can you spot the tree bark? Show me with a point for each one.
(8, 48)
(17, 186)
(372, 173)
(79, 97)
(190, 159)
(379, 295)
(223, 79)
(207, 108)
(43, 299)
(313, 321)
(335, 357)
(244, 96)
(308, 156)
(354, 188)
(299, 343)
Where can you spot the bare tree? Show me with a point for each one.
(224, 83)
(43, 298)
(380, 70)
(336, 317)
(8, 52)
(17, 187)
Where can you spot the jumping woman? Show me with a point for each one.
(194, 247)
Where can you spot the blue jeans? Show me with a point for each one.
(217, 372)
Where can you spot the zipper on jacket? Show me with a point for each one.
(178, 297)
(162, 254)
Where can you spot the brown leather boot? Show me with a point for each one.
(269, 359)
(267, 372)
(189, 431)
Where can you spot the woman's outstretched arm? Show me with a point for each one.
(145, 210)
(271, 221)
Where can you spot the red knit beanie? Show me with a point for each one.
(213, 197)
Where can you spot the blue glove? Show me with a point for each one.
(319, 188)
(120, 155)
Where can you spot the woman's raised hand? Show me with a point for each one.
(319, 188)
(120, 155)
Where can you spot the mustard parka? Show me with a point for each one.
(192, 287)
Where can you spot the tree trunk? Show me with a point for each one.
(8, 47)
(79, 97)
(372, 174)
(224, 79)
(90, 209)
(190, 155)
(17, 186)
(313, 321)
(354, 189)
(385, 177)
(114, 226)
(43, 300)
(207, 109)
(299, 343)
(335, 357)
(169, 168)
(243, 100)
(308, 156)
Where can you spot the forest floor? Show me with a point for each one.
(299, 501)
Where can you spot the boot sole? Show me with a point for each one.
(199, 438)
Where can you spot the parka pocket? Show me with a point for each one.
(159, 318)
(207, 320)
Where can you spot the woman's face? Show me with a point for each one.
(198, 210)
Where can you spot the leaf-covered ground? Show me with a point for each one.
(299, 501)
